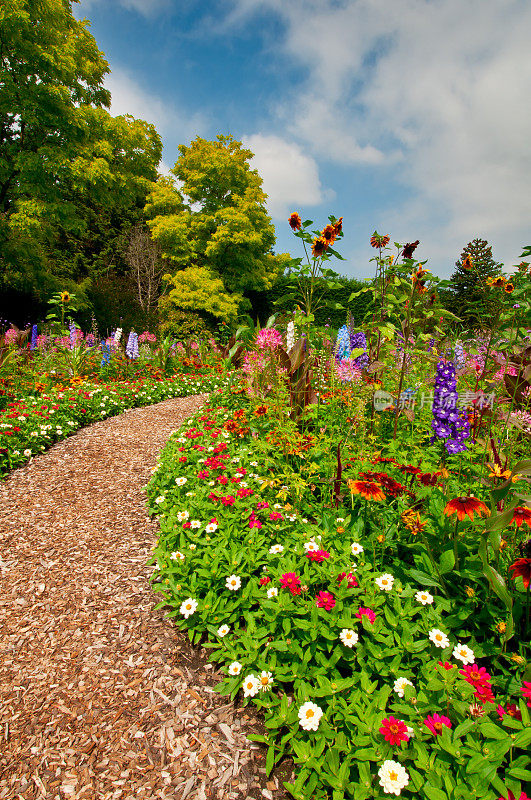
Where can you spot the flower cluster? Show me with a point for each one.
(448, 423)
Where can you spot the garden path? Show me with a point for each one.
(101, 698)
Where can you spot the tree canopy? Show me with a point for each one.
(210, 220)
(469, 294)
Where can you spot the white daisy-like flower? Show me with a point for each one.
(182, 516)
(223, 630)
(266, 681)
(311, 546)
(340, 519)
(177, 556)
(439, 638)
(189, 494)
(400, 685)
(410, 732)
(192, 546)
(211, 527)
(305, 520)
(180, 481)
(385, 582)
(463, 653)
(276, 548)
(393, 777)
(195, 523)
(349, 637)
(188, 607)
(181, 440)
(233, 582)
(235, 668)
(277, 505)
(356, 548)
(309, 716)
(27, 452)
(272, 592)
(160, 499)
(292, 517)
(424, 597)
(251, 686)
(253, 464)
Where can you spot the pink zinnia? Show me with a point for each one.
(254, 522)
(203, 474)
(476, 676)
(317, 555)
(394, 731)
(511, 709)
(446, 665)
(435, 722)
(229, 500)
(366, 612)
(526, 691)
(269, 338)
(262, 505)
(351, 579)
(512, 796)
(275, 515)
(291, 582)
(483, 694)
(325, 600)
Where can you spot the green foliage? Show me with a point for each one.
(468, 296)
(184, 325)
(214, 229)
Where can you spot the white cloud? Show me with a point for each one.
(435, 94)
(290, 176)
(147, 8)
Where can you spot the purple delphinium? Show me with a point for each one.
(358, 341)
(34, 332)
(131, 349)
(448, 423)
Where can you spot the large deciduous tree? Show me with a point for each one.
(212, 225)
(69, 172)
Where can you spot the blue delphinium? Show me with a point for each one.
(448, 423)
(106, 354)
(131, 349)
(34, 331)
(347, 341)
(342, 343)
(459, 356)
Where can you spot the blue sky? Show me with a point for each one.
(411, 117)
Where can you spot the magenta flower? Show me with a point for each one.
(291, 582)
(526, 691)
(366, 612)
(351, 579)
(435, 722)
(476, 676)
(268, 338)
(275, 515)
(325, 600)
(317, 555)
(394, 731)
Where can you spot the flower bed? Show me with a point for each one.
(364, 659)
(30, 424)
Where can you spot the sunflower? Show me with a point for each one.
(338, 226)
(329, 234)
(509, 288)
(499, 281)
(521, 516)
(295, 222)
(260, 411)
(379, 241)
(489, 281)
(319, 246)
(466, 506)
(65, 297)
(467, 262)
(522, 568)
(370, 490)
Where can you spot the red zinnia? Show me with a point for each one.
(526, 691)
(477, 676)
(522, 567)
(521, 516)
(394, 731)
(466, 506)
(366, 612)
(512, 796)
(264, 580)
(435, 722)
(295, 222)
(511, 709)
(317, 555)
(291, 582)
(446, 665)
(351, 579)
(325, 600)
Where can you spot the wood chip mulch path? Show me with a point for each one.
(101, 698)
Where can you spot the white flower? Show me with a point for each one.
(276, 548)
(233, 582)
(235, 668)
(181, 440)
(182, 516)
(309, 716)
(189, 494)
(439, 638)
(356, 548)
(277, 505)
(177, 556)
(349, 637)
(211, 527)
(192, 546)
(265, 680)
(188, 607)
(223, 630)
(424, 597)
(272, 592)
(253, 464)
(410, 732)
(251, 686)
(27, 452)
(292, 517)
(393, 777)
(400, 684)
(463, 653)
(160, 499)
(311, 546)
(180, 481)
(195, 523)
(385, 582)
(340, 519)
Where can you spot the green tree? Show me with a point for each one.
(69, 172)
(468, 295)
(214, 229)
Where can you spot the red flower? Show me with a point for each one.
(366, 612)
(466, 506)
(435, 722)
(526, 691)
(264, 580)
(229, 500)
(477, 676)
(484, 694)
(222, 479)
(511, 709)
(522, 567)
(318, 555)
(275, 515)
(521, 516)
(512, 796)
(295, 222)
(394, 731)
(367, 489)
(291, 582)
(325, 600)
(407, 252)
(351, 579)
(446, 665)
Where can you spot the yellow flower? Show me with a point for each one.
(381, 538)
(65, 297)
(501, 627)
(517, 659)
(470, 591)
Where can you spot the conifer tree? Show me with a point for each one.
(469, 294)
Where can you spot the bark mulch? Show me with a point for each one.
(101, 698)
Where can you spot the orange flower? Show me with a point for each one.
(329, 234)
(379, 241)
(370, 490)
(467, 262)
(295, 222)
(260, 411)
(522, 567)
(521, 516)
(319, 246)
(466, 506)
(338, 226)
(499, 281)
(497, 472)
(509, 287)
